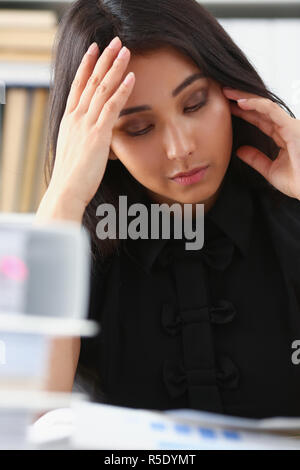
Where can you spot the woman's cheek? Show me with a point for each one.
(220, 123)
(136, 160)
(220, 110)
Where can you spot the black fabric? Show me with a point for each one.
(210, 329)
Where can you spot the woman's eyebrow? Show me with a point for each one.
(188, 81)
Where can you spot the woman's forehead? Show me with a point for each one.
(166, 58)
(160, 72)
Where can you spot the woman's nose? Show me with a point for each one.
(179, 144)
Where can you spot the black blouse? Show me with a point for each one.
(210, 329)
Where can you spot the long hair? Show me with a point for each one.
(144, 26)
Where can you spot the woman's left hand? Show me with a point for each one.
(270, 118)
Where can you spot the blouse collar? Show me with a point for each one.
(233, 210)
(232, 213)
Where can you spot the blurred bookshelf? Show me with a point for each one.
(27, 33)
(26, 46)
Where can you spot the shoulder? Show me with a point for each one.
(282, 215)
(282, 211)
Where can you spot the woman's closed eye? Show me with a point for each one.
(190, 109)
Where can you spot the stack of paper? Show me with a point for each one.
(98, 426)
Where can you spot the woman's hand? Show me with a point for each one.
(96, 98)
(284, 172)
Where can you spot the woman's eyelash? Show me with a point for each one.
(190, 109)
(197, 106)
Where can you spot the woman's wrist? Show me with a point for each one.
(55, 206)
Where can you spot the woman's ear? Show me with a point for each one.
(112, 155)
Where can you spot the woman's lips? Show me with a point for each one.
(192, 177)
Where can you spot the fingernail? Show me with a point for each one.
(242, 100)
(129, 77)
(114, 43)
(92, 49)
(122, 52)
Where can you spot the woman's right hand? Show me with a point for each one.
(95, 101)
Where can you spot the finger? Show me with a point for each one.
(104, 64)
(108, 85)
(256, 159)
(268, 108)
(260, 121)
(235, 94)
(114, 105)
(83, 72)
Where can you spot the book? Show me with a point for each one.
(31, 19)
(27, 35)
(27, 39)
(40, 186)
(28, 56)
(15, 126)
(39, 102)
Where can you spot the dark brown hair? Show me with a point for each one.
(142, 26)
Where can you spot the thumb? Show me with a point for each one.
(256, 159)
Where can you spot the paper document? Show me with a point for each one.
(96, 426)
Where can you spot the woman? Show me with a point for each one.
(211, 329)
